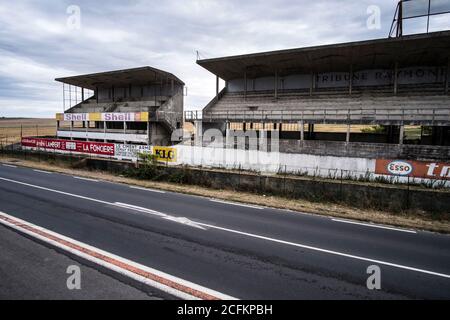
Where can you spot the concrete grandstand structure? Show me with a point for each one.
(390, 83)
(139, 106)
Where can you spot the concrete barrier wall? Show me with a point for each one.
(362, 195)
(273, 162)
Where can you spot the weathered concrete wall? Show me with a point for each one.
(365, 150)
(388, 198)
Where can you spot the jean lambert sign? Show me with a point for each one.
(108, 117)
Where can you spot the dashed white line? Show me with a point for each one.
(373, 225)
(146, 189)
(237, 204)
(8, 165)
(86, 179)
(42, 171)
(336, 253)
(181, 220)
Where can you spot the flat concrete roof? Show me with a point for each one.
(432, 49)
(136, 76)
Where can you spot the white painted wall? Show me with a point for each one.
(273, 162)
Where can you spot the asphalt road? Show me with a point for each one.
(31, 271)
(243, 251)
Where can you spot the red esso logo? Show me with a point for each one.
(401, 168)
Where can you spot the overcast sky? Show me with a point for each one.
(40, 41)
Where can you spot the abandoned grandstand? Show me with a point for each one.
(397, 88)
(140, 106)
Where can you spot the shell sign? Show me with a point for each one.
(414, 169)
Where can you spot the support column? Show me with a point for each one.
(228, 142)
(124, 132)
(396, 78)
(447, 76)
(217, 87)
(245, 85)
(71, 129)
(350, 81)
(148, 133)
(301, 125)
(198, 133)
(82, 94)
(401, 135)
(104, 131)
(276, 85)
(86, 124)
(311, 88)
(347, 138)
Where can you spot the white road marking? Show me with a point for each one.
(86, 179)
(328, 251)
(8, 165)
(258, 236)
(184, 221)
(155, 278)
(42, 171)
(146, 189)
(374, 225)
(181, 220)
(237, 204)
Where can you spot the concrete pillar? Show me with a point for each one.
(217, 87)
(401, 135)
(124, 131)
(86, 124)
(447, 76)
(301, 125)
(245, 85)
(148, 133)
(198, 133)
(350, 81)
(104, 131)
(228, 141)
(396, 78)
(276, 85)
(347, 138)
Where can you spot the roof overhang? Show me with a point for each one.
(136, 76)
(432, 49)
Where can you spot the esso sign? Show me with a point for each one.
(400, 168)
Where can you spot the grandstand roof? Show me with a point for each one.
(432, 49)
(136, 76)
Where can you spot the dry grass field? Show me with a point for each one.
(12, 129)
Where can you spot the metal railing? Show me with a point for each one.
(405, 115)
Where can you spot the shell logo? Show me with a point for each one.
(401, 168)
